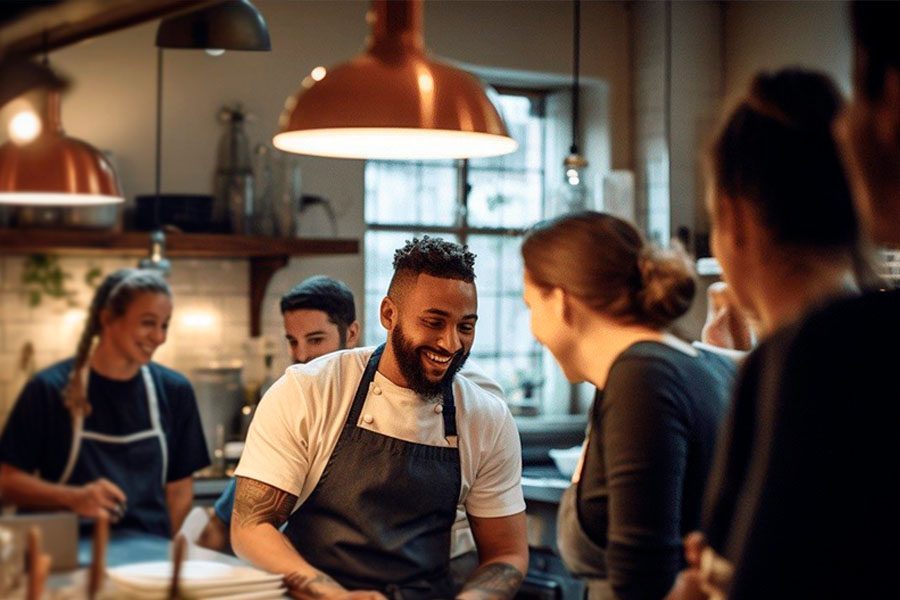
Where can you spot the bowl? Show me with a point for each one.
(566, 459)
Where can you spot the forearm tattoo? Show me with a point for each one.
(494, 581)
(305, 587)
(256, 503)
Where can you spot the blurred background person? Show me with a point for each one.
(727, 326)
(109, 431)
(800, 468)
(601, 301)
(319, 317)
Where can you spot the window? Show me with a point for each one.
(486, 204)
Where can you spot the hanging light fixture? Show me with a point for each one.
(574, 194)
(230, 25)
(392, 101)
(54, 169)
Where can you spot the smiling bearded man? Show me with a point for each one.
(365, 455)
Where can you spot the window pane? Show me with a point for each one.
(504, 346)
(508, 191)
(411, 193)
(505, 199)
(486, 338)
(380, 247)
(525, 128)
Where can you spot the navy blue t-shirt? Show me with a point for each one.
(38, 434)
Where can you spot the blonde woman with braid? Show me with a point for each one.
(109, 431)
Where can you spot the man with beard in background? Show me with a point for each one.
(377, 447)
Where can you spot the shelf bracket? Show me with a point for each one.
(261, 271)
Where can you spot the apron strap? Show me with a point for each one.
(155, 421)
(78, 433)
(362, 390)
(448, 406)
(74, 448)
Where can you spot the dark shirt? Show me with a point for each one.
(803, 498)
(38, 435)
(653, 433)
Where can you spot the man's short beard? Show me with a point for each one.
(410, 364)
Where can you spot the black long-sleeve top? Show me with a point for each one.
(653, 433)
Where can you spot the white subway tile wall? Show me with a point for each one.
(210, 321)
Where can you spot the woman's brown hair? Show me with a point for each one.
(605, 262)
(116, 294)
(776, 152)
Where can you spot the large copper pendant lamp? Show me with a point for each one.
(393, 101)
(54, 169)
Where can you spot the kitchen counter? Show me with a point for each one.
(539, 484)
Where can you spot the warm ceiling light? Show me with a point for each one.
(55, 169)
(24, 127)
(393, 102)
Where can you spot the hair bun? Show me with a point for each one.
(667, 285)
(798, 98)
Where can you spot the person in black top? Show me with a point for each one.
(601, 301)
(801, 502)
(108, 431)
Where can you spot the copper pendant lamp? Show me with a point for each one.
(55, 169)
(393, 101)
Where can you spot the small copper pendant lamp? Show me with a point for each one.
(54, 169)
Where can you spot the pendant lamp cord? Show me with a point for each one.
(45, 43)
(576, 59)
(158, 174)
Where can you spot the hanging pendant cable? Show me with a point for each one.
(576, 56)
(158, 174)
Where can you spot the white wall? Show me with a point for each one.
(774, 34)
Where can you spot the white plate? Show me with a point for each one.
(223, 590)
(266, 594)
(196, 575)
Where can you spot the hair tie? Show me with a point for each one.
(768, 110)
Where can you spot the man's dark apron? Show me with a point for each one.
(137, 463)
(381, 514)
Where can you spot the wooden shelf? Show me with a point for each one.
(266, 255)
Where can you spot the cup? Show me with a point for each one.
(12, 562)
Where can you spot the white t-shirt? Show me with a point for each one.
(299, 420)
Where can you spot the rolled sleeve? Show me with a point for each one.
(276, 451)
(497, 489)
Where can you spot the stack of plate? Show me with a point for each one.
(199, 579)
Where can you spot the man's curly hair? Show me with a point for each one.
(433, 256)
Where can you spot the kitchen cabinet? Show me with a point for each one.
(266, 255)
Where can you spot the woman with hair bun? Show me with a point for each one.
(109, 432)
(602, 301)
